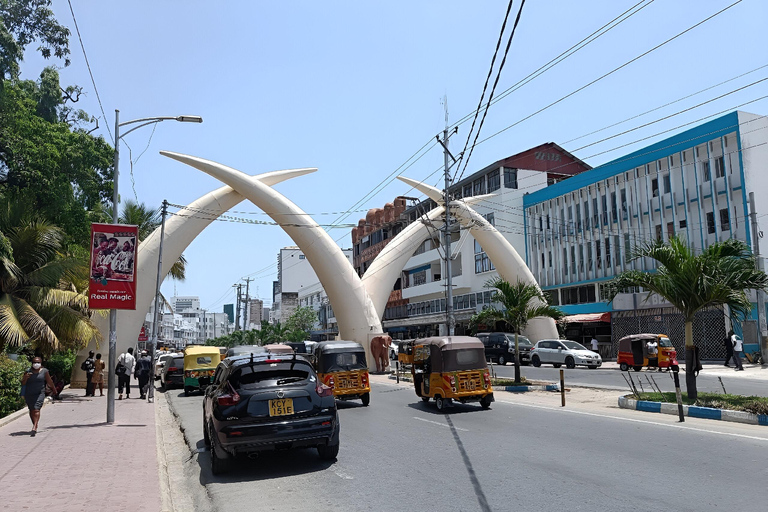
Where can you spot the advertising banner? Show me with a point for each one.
(113, 260)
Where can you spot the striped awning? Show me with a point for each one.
(588, 318)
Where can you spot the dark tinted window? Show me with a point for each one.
(178, 362)
(261, 375)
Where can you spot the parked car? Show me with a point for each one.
(569, 353)
(161, 360)
(500, 347)
(268, 401)
(172, 375)
(238, 350)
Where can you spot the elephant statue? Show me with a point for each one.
(380, 350)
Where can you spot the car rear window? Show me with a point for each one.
(261, 375)
(178, 362)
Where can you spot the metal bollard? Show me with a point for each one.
(562, 388)
(397, 371)
(679, 397)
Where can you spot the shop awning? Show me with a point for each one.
(588, 318)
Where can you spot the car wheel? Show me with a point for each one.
(366, 398)
(637, 368)
(502, 361)
(485, 402)
(439, 402)
(206, 435)
(592, 367)
(219, 464)
(328, 452)
(425, 399)
(557, 365)
(624, 367)
(570, 363)
(535, 361)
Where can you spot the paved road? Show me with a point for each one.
(401, 454)
(611, 378)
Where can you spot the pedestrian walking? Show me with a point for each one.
(124, 369)
(98, 375)
(34, 382)
(143, 369)
(737, 348)
(594, 344)
(728, 343)
(89, 366)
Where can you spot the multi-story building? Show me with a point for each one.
(183, 303)
(579, 233)
(294, 275)
(417, 305)
(255, 313)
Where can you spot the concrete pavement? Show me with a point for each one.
(78, 462)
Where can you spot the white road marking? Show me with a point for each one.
(681, 427)
(342, 475)
(439, 424)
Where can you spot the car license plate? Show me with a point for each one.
(343, 383)
(281, 407)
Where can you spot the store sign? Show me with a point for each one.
(143, 334)
(113, 262)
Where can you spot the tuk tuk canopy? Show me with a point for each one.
(450, 353)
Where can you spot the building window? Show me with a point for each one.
(301, 256)
(683, 224)
(549, 257)
(614, 210)
(468, 190)
(541, 224)
(605, 210)
(565, 261)
(543, 263)
(671, 230)
(494, 181)
(667, 184)
(482, 262)
(658, 232)
(598, 254)
(725, 222)
(548, 222)
(705, 170)
(577, 295)
(710, 223)
(510, 178)
(655, 187)
(589, 257)
(586, 215)
(624, 210)
(607, 253)
(617, 248)
(578, 217)
(720, 167)
(573, 260)
(595, 214)
(581, 258)
(478, 186)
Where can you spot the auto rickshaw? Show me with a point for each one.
(405, 352)
(341, 365)
(451, 369)
(633, 352)
(199, 364)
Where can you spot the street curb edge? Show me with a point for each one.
(694, 411)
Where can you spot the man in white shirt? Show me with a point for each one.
(594, 344)
(125, 366)
(737, 348)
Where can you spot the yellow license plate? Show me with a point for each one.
(344, 384)
(469, 385)
(281, 407)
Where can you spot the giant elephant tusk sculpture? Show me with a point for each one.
(358, 320)
(180, 230)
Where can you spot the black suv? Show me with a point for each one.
(266, 401)
(500, 347)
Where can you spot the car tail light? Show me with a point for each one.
(329, 381)
(172, 369)
(272, 360)
(227, 399)
(323, 390)
(364, 379)
(235, 433)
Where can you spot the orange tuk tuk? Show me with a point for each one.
(635, 352)
(341, 366)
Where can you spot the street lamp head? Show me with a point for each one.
(189, 119)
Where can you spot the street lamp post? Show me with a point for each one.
(115, 215)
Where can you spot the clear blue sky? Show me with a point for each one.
(355, 88)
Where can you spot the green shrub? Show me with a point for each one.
(10, 384)
(61, 363)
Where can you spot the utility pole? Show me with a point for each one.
(247, 312)
(237, 318)
(761, 320)
(205, 324)
(155, 330)
(450, 319)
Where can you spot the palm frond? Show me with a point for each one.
(12, 333)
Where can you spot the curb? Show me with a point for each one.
(523, 389)
(694, 411)
(23, 412)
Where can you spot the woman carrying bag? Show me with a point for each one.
(35, 381)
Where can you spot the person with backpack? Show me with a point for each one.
(143, 369)
(124, 369)
(89, 366)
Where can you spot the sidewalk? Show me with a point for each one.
(716, 368)
(77, 462)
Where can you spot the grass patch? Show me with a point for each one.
(510, 382)
(753, 404)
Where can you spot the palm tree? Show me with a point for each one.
(148, 220)
(718, 276)
(521, 302)
(41, 302)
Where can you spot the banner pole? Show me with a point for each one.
(111, 384)
(155, 327)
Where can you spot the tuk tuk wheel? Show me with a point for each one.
(186, 391)
(485, 402)
(366, 398)
(570, 363)
(425, 399)
(439, 402)
(637, 368)
(624, 367)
